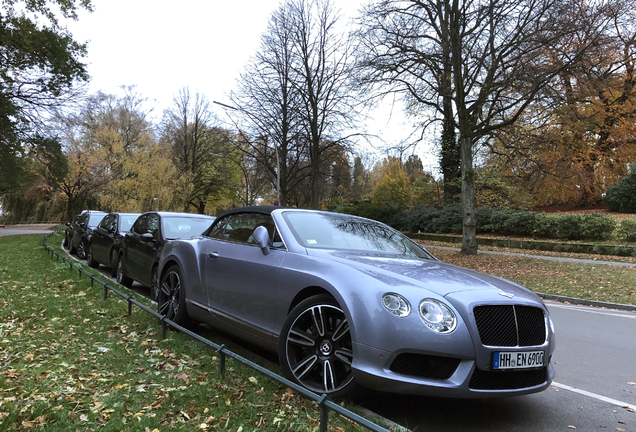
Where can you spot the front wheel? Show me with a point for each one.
(81, 249)
(113, 263)
(315, 348)
(171, 298)
(121, 278)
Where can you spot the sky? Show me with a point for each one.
(161, 46)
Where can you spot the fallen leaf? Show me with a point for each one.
(83, 418)
(571, 427)
(253, 380)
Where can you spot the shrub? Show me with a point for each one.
(620, 195)
(546, 225)
(627, 230)
(597, 226)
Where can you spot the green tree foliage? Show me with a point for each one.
(39, 65)
(621, 196)
(394, 189)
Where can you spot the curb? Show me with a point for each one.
(577, 301)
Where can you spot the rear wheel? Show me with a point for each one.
(121, 274)
(89, 257)
(171, 299)
(315, 348)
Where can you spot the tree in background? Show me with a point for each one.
(394, 189)
(499, 57)
(40, 64)
(200, 151)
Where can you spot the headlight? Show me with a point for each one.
(437, 316)
(396, 305)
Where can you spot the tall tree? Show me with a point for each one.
(39, 65)
(199, 149)
(498, 54)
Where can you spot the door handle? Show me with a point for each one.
(213, 255)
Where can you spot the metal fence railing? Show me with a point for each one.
(323, 400)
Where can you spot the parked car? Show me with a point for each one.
(68, 232)
(142, 245)
(81, 231)
(108, 238)
(348, 301)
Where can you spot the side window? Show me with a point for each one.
(153, 224)
(239, 227)
(106, 223)
(219, 230)
(82, 218)
(140, 225)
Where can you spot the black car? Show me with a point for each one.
(69, 230)
(139, 256)
(108, 238)
(81, 231)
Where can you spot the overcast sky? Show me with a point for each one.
(161, 46)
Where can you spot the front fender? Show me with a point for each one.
(185, 254)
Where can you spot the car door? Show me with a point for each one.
(102, 239)
(78, 230)
(133, 250)
(241, 280)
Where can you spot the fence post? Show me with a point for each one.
(92, 279)
(130, 306)
(222, 364)
(105, 292)
(324, 413)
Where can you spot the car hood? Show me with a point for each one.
(435, 276)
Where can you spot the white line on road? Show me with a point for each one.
(590, 309)
(595, 396)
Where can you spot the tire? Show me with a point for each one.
(71, 249)
(65, 244)
(120, 276)
(154, 284)
(81, 249)
(89, 257)
(171, 300)
(315, 348)
(113, 263)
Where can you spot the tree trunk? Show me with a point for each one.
(469, 240)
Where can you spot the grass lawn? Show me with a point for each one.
(587, 281)
(72, 361)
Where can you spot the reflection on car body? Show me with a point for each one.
(347, 301)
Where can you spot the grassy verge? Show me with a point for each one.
(72, 361)
(587, 281)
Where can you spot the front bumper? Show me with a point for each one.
(372, 368)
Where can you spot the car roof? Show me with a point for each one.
(251, 209)
(181, 214)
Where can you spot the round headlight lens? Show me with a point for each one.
(437, 316)
(396, 305)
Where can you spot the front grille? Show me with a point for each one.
(507, 380)
(510, 325)
(425, 366)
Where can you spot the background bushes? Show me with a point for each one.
(510, 222)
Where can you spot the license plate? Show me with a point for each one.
(517, 359)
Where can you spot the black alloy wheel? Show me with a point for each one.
(121, 277)
(171, 298)
(315, 348)
(81, 249)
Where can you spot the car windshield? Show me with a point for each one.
(95, 219)
(126, 222)
(343, 232)
(184, 227)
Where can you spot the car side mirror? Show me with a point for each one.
(148, 236)
(83, 224)
(261, 236)
(68, 224)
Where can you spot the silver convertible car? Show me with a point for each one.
(348, 301)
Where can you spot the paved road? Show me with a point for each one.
(25, 229)
(595, 363)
